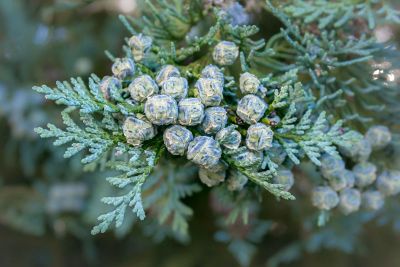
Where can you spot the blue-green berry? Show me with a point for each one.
(166, 72)
(139, 44)
(358, 152)
(236, 181)
(123, 68)
(331, 166)
(237, 14)
(209, 91)
(136, 131)
(338, 182)
(204, 151)
(388, 183)
(349, 177)
(108, 86)
(215, 175)
(249, 83)
(277, 153)
(362, 149)
(251, 109)
(215, 119)
(379, 136)
(365, 174)
(324, 198)
(248, 158)
(161, 109)
(177, 87)
(142, 87)
(284, 177)
(213, 72)
(191, 111)
(372, 200)
(225, 53)
(177, 139)
(259, 137)
(229, 137)
(350, 200)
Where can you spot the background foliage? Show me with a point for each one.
(55, 203)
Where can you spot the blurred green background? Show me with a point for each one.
(48, 204)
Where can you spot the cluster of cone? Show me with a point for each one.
(195, 126)
(362, 186)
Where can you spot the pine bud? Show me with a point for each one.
(284, 177)
(140, 44)
(213, 176)
(372, 200)
(177, 87)
(123, 68)
(215, 119)
(204, 151)
(191, 111)
(142, 87)
(229, 137)
(259, 137)
(225, 53)
(136, 130)
(236, 181)
(379, 136)
(350, 201)
(251, 109)
(331, 166)
(209, 91)
(177, 139)
(161, 109)
(248, 158)
(388, 183)
(324, 198)
(365, 174)
(166, 72)
(213, 72)
(249, 83)
(108, 85)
